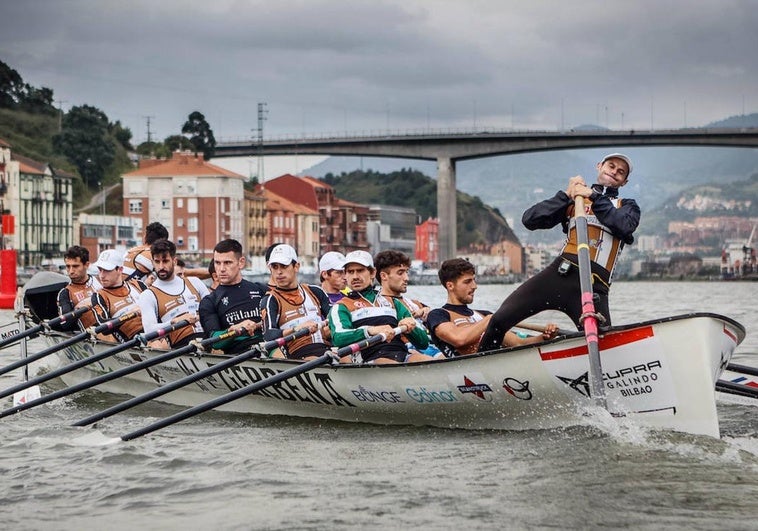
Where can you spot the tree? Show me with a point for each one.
(153, 149)
(11, 87)
(37, 100)
(85, 142)
(177, 143)
(123, 135)
(15, 94)
(200, 134)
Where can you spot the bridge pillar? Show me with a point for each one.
(446, 208)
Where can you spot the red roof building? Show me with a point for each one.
(427, 242)
(342, 223)
(199, 203)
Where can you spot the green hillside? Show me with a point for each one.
(478, 224)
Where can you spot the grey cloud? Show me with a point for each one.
(326, 65)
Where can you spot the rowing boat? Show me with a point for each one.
(659, 373)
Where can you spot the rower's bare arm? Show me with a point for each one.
(199, 272)
(459, 336)
(511, 339)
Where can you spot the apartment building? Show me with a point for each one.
(200, 203)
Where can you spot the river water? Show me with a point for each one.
(226, 471)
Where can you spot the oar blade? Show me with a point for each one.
(27, 395)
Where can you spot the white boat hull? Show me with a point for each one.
(659, 373)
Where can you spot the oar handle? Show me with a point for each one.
(266, 347)
(542, 328)
(373, 340)
(66, 317)
(146, 337)
(114, 323)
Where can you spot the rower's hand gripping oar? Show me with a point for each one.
(328, 356)
(260, 350)
(61, 319)
(111, 325)
(108, 326)
(589, 316)
(542, 328)
(143, 338)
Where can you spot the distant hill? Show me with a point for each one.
(735, 198)
(512, 183)
(477, 223)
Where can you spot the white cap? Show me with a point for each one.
(332, 260)
(282, 254)
(109, 260)
(359, 257)
(619, 156)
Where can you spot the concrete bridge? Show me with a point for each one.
(447, 147)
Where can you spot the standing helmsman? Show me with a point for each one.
(611, 224)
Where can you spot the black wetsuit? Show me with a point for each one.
(555, 288)
(231, 304)
(442, 315)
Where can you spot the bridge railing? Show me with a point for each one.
(376, 133)
(383, 134)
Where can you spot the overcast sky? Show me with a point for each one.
(339, 65)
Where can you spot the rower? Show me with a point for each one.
(364, 312)
(78, 292)
(235, 302)
(170, 298)
(117, 297)
(457, 329)
(290, 306)
(331, 273)
(392, 274)
(138, 262)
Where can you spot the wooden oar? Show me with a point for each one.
(259, 349)
(736, 389)
(108, 326)
(143, 338)
(328, 356)
(541, 328)
(589, 319)
(61, 319)
(77, 364)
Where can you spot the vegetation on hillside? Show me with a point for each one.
(82, 141)
(735, 198)
(478, 224)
